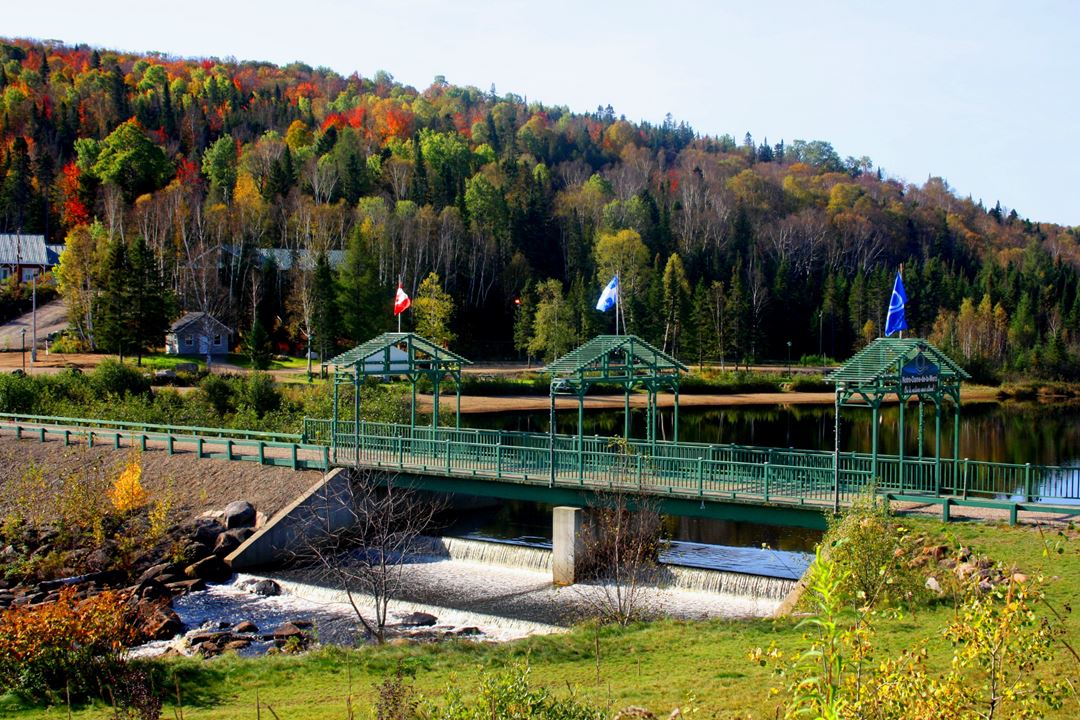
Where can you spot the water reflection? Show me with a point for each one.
(1041, 434)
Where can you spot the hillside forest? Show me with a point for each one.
(165, 177)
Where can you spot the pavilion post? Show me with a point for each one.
(937, 445)
(334, 421)
(836, 453)
(920, 427)
(412, 405)
(356, 415)
(675, 429)
(435, 402)
(457, 386)
(626, 413)
(875, 419)
(956, 438)
(900, 452)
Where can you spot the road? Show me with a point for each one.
(51, 317)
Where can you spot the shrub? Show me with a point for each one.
(127, 492)
(115, 378)
(259, 393)
(67, 645)
(865, 545)
(17, 394)
(218, 391)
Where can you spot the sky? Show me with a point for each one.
(983, 94)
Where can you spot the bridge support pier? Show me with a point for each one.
(567, 544)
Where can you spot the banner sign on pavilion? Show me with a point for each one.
(919, 376)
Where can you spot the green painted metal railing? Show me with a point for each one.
(733, 472)
(277, 449)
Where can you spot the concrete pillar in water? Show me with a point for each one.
(567, 544)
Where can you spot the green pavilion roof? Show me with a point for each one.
(399, 353)
(882, 360)
(615, 357)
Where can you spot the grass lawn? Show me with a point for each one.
(657, 665)
(162, 361)
(288, 363)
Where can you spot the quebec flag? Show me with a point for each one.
(609, 296)
(895, 320)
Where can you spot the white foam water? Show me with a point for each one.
(538, 559)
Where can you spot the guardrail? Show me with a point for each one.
(738, 472)
(204, 443)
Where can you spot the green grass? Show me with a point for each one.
(160, 361)
(287, 363)
(657, 665)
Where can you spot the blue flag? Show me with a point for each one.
(895, 321)
(607, 298)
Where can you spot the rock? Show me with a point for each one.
(186, 368)
(266, 588)
(200, 636)
(238, 644)
(184, 587)
(963, 570)
(207, 649)
(246, 627)
(1019, 577)
(165, 374)
(933, 585)
(985, 586)
(466, 632)
(289, 635)
(205, 531)
(211, 569)
(303, 624)
(936, 551)
(418, 619)
(634, 711)
(239, 514)
(230, 540)
(159, 622)
(154, 572)
(152, 590)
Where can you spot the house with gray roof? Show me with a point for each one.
(25, 256)
(198, 333)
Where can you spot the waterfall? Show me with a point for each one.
(506, 554)
(538, 559)
(730, 583)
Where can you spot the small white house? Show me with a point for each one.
(198, 333)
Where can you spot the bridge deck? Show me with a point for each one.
(774, 477)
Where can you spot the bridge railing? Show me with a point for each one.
(278, 449)
(735, 470)
(153, 427)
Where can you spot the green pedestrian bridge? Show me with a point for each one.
(734, 482)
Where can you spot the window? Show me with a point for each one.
(217, 339)
(5, 273)
(28, 274)
(189, 341)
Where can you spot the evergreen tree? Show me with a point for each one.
(325, 319)
(257, 345)
(676, 299)
(150, 303)
(362, 304)
(113, 316)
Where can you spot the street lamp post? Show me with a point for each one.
(789, 358)
(24, 349)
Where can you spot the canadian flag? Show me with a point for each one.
(401, 301)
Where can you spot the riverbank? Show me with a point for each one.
(657, 665)
(478, 404)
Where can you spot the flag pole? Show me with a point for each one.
(618, 302)
(901, 277)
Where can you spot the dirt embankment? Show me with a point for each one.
(195, 485)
